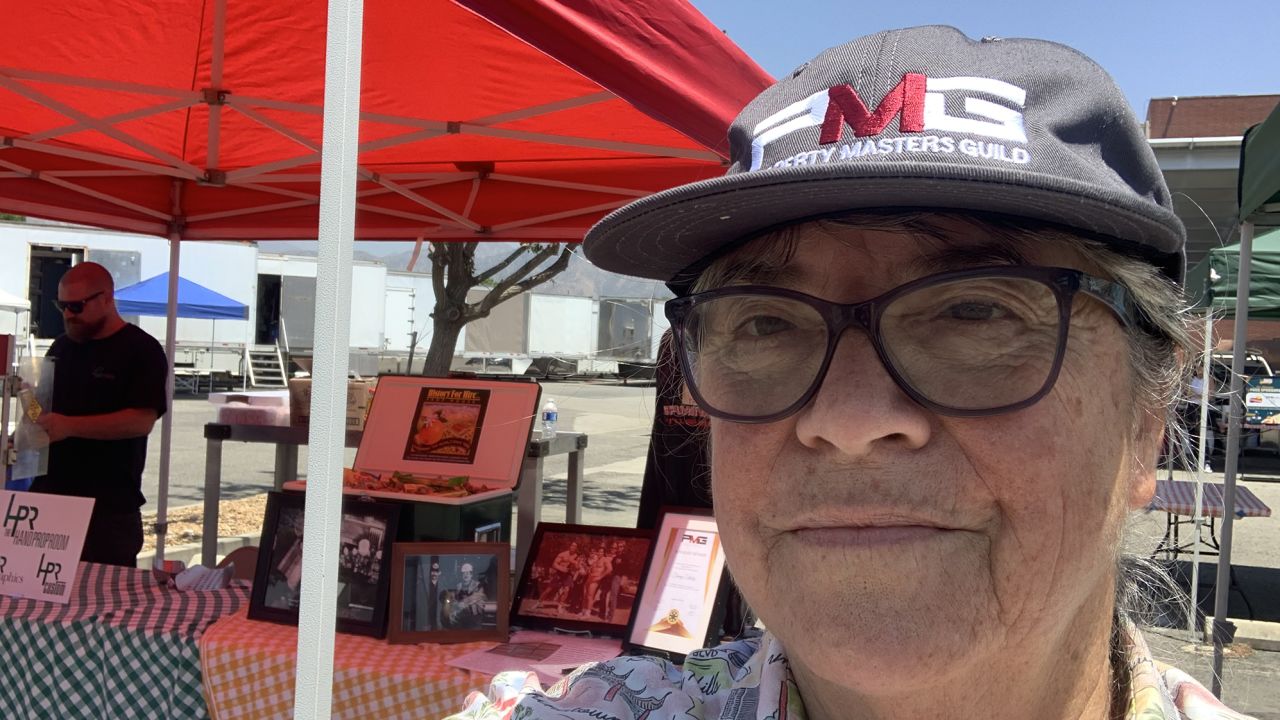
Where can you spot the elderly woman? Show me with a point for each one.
(932, 313)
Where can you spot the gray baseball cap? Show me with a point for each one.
(919, 118)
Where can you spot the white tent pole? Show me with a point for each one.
(1221, 626)
(1200, 455)
(170, 351)
(322, 523)
(213, 341)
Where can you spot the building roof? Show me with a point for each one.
(1207, 116)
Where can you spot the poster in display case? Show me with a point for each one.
(447, 424)
(450, 441)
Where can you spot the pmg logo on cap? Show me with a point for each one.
(920, 105)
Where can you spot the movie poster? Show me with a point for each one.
(447, 425)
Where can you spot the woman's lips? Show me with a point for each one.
(868, 535)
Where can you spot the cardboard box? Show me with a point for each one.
(258, 398)
(359, 395)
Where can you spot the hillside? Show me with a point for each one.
(581, 278)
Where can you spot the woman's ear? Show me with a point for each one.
(1146, 458)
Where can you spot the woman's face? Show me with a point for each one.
(883, 543)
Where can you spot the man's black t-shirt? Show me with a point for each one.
(123, 371)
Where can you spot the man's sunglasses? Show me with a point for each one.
(75, 307)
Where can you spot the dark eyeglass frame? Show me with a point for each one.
(866, 315)
(75, 307)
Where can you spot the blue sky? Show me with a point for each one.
(1153, 48)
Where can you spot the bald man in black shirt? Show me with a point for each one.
(108, 391)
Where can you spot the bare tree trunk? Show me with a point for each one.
(443, 341)
(453, 274)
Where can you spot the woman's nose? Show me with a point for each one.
(859, 406)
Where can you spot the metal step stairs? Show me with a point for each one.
(266, 368)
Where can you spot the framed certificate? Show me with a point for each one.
(680, 605)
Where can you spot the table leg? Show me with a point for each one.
(573, 493)
(212, 496)
(1213, 533)
(1164, 546)
(286, 464)
(528, 510)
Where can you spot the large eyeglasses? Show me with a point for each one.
(965, 343)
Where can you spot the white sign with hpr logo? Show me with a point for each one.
(40, 543)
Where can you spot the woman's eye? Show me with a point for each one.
(975, 311)
(764, 325)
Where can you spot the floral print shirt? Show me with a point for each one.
(750, 680)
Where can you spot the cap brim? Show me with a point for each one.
(666, 233)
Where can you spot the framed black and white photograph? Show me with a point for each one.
(581, 577)
(364, 564)
(450, 592)
(681, 602)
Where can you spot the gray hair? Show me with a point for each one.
(1161, 349)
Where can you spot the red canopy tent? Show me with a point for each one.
(203, 119)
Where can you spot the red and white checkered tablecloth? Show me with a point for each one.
(1179, 497)
(249, 667)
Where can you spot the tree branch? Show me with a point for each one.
(520, 250)
(551, 271)
(498, 293)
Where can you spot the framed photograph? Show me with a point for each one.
(581, 577)
(450, 592)
(364, 564)
(679, 608)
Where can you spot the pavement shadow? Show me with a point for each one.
(611, 499)
(1257, 463)
(1253, 593)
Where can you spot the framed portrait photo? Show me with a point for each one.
(581, 577)
(450, 592)
(680, 605)
(364, 564)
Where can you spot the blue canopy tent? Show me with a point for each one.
(151, 297)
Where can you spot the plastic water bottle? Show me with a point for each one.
(550, 414)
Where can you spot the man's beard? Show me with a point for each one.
(81, 331)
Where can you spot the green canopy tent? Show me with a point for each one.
(1212, 282)
(1259, 194)
(1210, 287)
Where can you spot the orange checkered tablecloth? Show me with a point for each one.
(249, 669)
